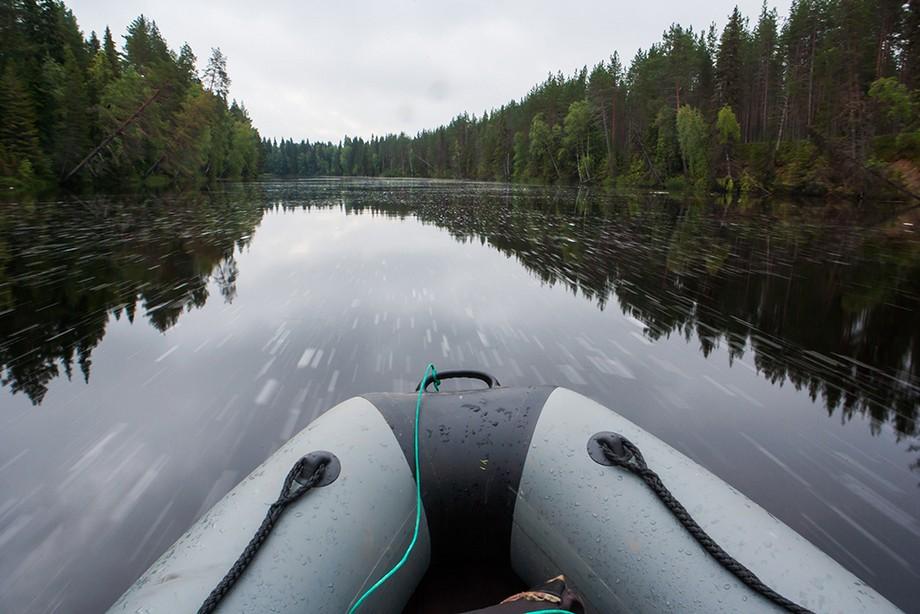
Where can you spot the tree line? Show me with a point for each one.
(826, 101)
(86, 112)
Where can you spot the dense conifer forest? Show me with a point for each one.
(826, 100)
(89, 112)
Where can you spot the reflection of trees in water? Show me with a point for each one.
(816, 298)
(810, 296)
(225, 275)
(65, 268)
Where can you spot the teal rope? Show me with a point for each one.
(431, 374)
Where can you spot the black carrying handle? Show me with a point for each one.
(461, 373)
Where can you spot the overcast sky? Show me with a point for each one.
(319, 70)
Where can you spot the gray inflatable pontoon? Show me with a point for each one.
(511, 497)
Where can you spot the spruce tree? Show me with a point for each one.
(186, 64)
(18, 133)
(111, 53)
(93, 44)
(145, 48)
(72, 140)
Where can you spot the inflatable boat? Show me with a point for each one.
(448, 501)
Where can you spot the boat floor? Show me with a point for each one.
(452, 588)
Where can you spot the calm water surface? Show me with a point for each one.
(155, 350)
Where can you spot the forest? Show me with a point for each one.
(823, 102)
(826, 101)
(88, 113)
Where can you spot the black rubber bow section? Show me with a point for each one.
(292, 490)
(624, 453)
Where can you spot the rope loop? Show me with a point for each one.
(431, 376)
(289, 492)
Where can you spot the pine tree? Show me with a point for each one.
(910, 41)
(766, 84)
(215, 76)
(602, 94)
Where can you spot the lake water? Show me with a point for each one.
(154, 350)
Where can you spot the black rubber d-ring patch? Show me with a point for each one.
(312, 461)
(613, 441)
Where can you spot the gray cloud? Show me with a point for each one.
(320, 70)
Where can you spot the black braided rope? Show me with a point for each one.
(635, 462)
(288, 495)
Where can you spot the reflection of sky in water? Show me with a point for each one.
(100, 478)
